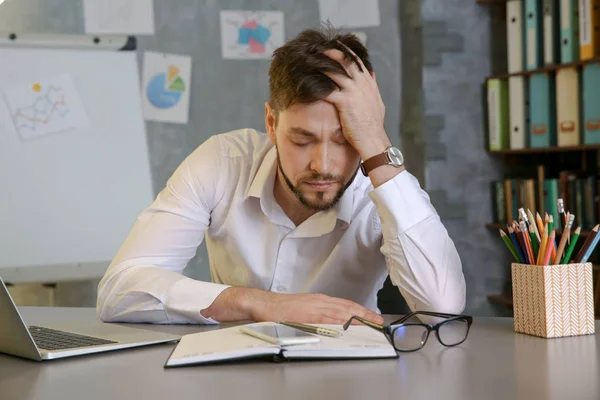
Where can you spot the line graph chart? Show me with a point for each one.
(45, 107)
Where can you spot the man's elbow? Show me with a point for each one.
(104, 310)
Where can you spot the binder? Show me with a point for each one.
(567, 107)
(569, 31)
(591, 103)
(542, 110)
(514, 35)
(589, 29)
(517, 112)
(550, 196)
(551, 32)
(534, 37)
(497, 102)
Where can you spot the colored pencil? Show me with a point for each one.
(510, 246)
(540, 225)
(563, 241)
(527, 241)
(548, 254)
(543, 245)
(569, 251)
(533, 223)
(515, 243)
(534, 241)
(586, 244)
(550, 229)
(590, 248)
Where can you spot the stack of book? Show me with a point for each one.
(579, 193)
(536, 107)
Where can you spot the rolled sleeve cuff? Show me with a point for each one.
(187, 297)
(401, 204)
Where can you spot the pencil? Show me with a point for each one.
(549, 248)
(567, 216)
(563, 241)
(526, 240)
(515, 243)
(542, 252)
(521, 240)
(509, 245)
(567, 256)
(533, 223)
(560, 205)
(540, 225)
(534, 241)
(550, 228)
(590, 248)
(586, 244)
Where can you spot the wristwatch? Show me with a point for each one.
(391, 156)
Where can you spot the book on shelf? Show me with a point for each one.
(579, 193)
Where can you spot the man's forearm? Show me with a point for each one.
(236, 304)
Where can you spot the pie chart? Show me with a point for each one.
(164, 89)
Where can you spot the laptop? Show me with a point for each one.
(66, 340)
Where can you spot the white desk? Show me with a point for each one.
(494, 363)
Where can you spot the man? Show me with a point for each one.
(294, 231)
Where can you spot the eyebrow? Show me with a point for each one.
(304, 132)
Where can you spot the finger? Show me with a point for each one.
(357, 59)
(348, 61)
(357, 310)
(337, 98)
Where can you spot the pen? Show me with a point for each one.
(312, 329)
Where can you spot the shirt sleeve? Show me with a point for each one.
(144, 282)
(421, 258)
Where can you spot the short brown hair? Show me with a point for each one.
(297, 70)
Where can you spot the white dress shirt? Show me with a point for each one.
(223, 192)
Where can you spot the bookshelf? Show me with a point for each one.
(574, 168)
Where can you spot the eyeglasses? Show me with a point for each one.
(412, 336)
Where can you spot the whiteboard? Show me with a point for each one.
(70, 198)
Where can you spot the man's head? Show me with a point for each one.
(314, 158)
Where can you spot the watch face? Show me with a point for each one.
(395, 156)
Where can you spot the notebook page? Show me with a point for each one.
(357, 342)
(218, 345)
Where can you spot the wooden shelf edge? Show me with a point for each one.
(545, 69)
(553, 149)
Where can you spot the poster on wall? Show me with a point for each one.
(134, 17)
(166, 87)
(350, 13)
(43, 107)
(250, 34)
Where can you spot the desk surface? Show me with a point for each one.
(494, 363)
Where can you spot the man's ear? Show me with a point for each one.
(270, 122)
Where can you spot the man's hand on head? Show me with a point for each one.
(359, 105)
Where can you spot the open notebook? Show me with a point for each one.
(232, 344)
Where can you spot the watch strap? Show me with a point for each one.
(374, 162)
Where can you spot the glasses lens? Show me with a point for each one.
(409, 337)
(453, 332)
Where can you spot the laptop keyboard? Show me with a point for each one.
(52, 339)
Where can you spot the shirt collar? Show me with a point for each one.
(264, 181)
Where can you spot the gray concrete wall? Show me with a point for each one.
(457, 56)
(446, 52)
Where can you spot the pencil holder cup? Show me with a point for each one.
(553, 300)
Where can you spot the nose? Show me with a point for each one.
(320, 161)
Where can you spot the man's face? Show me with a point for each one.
(314, 159)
